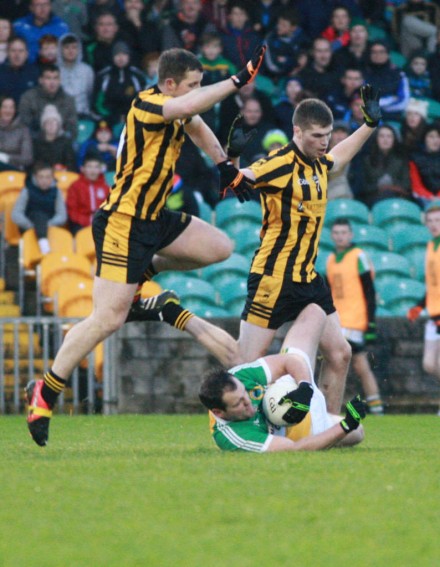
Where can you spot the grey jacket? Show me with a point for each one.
(15, 140)
(18, 212)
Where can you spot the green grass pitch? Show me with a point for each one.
(154, 491)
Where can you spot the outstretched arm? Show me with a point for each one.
(203, 137)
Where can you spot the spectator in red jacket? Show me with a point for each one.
(338, 32)
(86, 194)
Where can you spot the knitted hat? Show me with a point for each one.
(50, 111)
(120, 47)
(419, 106)
(274, 137)
(103, 125)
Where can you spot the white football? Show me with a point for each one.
(274, 393)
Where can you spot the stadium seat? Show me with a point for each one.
(86, 127)
(391, 211)
(236, 264)
(388, 263)
(382, 312)
(247, 240)
(169, 280)
(205, 211)
(350, 209)
(376, 33)
(433, 109)
(84, 244)
(405, 236)
(370, 238)
(398, 59)
(325, 240)
(228, 210)
(11, 231)
(72, 294)
(398, 298)
(151, 288)
(416, 259)
(233, 290)
(117, 129)
(237, 225)
(60, 239)
(64, 180)
(11, 182)
(109, 177)
(189, 288)
(210, 312)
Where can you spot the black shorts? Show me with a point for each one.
(271, 301)
(357, 348)
(126, 245)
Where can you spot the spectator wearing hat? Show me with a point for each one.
(101, 145)
(77, 77)
(338, 32)
(414, 124)
(39, 22)
(425, 167)
(392, 82)
(117, 85)
(15, 138)
(48, 91)
(285, 44)
(274, 140)
(17, 74)
(356, 53)
(51, 145)
(87, 193)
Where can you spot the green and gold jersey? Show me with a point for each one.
(252, 434)
(148, 150)
(294, 198)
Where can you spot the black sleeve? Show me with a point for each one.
(369, 294)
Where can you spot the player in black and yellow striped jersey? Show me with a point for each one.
(134, 234)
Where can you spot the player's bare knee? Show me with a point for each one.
(430, 367)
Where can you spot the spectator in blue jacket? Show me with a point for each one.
(17, 75)
(41, 21)
(239, 39)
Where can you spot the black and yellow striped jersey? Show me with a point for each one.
(294, 198)
(147, 153)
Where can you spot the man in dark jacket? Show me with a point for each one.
(17, 75)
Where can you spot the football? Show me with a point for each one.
(274, 412)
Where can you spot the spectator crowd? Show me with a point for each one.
(70, 70)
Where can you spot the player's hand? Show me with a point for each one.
(355, 411)
(370, 335)
(414, 313)
(370, 106)
(300, 401)
(248, 73)
(239, 136)
(232, 178)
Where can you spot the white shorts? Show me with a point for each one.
(353, 335)
(431, 331)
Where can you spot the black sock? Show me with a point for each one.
(52, 387)
(176, 315)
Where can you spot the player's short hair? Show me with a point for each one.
(175, 63)
(342, 221)
(215, 384)
(312, 112)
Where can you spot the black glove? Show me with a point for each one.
(300, 402)
(355, 411)
(370, 109)
(370, 335)
(248, 74)
(232, 178)
(239, 135)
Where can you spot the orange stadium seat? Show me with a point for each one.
(84, 243)
(65, 179)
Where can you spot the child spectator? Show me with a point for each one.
(284, 45)
(215, 69)
(117, 85)
(338, 32)
(339, 98)
(425, 168)
(15, 138)
(150, 66)
(102, 144)
(5, 35)
(47, 49)
(274, 140)
(77, 77)
(419, 77)
(51, 145)
(40, 205)
(86, 194)
(239, 39)
(414, 124)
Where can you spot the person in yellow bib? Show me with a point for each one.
(431, 301)
(350, 276)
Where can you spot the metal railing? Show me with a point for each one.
(27, 348)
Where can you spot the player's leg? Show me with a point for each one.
(431, 351)
(336, 354)
(253, 342)
(200, 244)
(352, 438)
(362, 368)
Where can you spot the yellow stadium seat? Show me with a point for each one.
(75, 296)
(11, 182)
(84, 243)
(150, 288)
(12, 232)
(65, 179)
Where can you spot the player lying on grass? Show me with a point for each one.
(234, 399)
